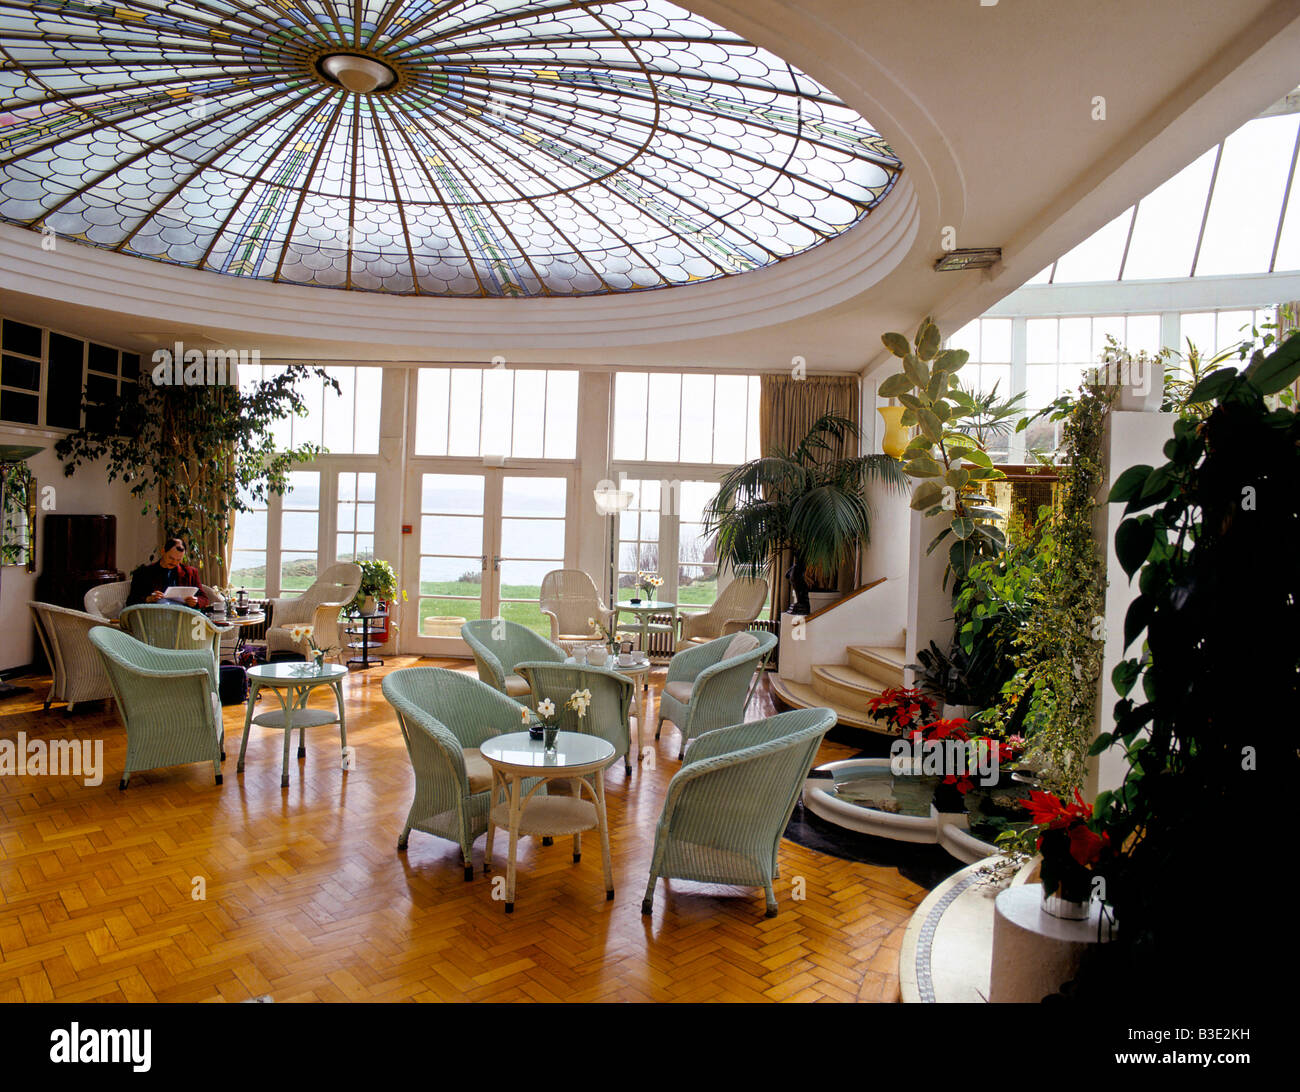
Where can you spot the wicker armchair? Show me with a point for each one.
(608, 716)
(318, 606)
(444, 716)
(569, 599)
(498, 645)
(105, 601)
(737, 606)
(78, 673)
(167, 700)
(165, 626)
(728, 805)
(706, 688)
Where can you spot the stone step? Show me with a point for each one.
(803, 696)
(846, 685)
(879, 662)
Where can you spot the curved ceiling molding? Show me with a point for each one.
(484, 148)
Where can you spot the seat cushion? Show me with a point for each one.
(679, 691)
(477, 769)
(517, 686)
(740, 644)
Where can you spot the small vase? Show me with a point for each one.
(635, 600)
(548, 738)
(1068, 909)
(368, 604)
(896, 436)
(318, 658)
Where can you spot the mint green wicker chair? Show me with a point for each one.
(498, 645)
(729, 804)
(167, 700)
(608, 716)
(444, 716)
(173, 627)
(706, 689)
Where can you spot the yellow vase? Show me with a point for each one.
(896, 436)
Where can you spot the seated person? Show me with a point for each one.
(150, 580)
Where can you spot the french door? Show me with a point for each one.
(481, 544)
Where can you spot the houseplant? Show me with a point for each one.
(195, 454)
(1205, 701)
(379, 583)
(807, 503)
(950, 464)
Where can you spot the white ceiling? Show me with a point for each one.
(990, 107)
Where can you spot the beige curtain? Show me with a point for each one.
(787, 409)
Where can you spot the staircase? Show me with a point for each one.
(847, 688)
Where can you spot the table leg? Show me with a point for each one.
(640, 719)
(604, 834)
(248, 723)
(492, 827)
(287, 703)
(343, 725)
(516, 810)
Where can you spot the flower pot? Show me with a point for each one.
(820, 600)
(948, 801)
(1068, 909)
(368, 604)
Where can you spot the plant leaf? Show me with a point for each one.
(923, 466)
(930, 424)
(957, 477)
(1129, 484)
(950, 360)
(897, 384)
(1212, 386)
(963, 527)
(1133, 541)
(927, 344)
(896, 344)
(916, 371)
(927, 493)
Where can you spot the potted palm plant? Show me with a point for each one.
(807, 503)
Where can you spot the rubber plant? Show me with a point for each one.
(949, 464)
(1207, 702)
(193, 454)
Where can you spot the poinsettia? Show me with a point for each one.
(902, 707)
(953, 728)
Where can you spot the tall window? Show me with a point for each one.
(346, 423)
(697, 559)
(522, 414)
(638, 536)
(356, 517)
(299, 532)
(666, 517)
(667, 417)
(248, 551)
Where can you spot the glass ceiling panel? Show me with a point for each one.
(432, 147)
(1252, 176)
(1168, 223)
(1098, 257)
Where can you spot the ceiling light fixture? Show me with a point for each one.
(360, 75)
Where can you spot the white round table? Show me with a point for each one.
(578, 758)
(292, 683)
(639, 673)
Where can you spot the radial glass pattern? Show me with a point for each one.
(497, 148)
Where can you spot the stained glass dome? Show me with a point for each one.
(431, 147)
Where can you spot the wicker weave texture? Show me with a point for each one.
(719, 686)
(499, 645)
(75, 665)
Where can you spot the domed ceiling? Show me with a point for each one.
(476, 148)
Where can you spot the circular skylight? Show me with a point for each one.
(442, 148)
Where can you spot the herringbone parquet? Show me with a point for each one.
(306, 897)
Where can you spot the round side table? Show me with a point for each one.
(292, 683)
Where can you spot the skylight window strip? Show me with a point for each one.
(1286, 197)
(1205, 214)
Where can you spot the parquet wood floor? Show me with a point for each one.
(307, 898)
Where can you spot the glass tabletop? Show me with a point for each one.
(611, 664)
(296, 671)
(647, 604)
(571, 749)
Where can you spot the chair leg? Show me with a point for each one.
(771, 900)
(648, 903)
(121, 785)
(403, 839)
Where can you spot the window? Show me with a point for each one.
(355, 533)
(522, 414)
(248, 550)
(20, 373)
(697, 558)
(299, 532)
(346, 423)
(638, 536)
(687, 418)
(1213, 331)
(667, 516)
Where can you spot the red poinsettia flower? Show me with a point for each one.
(1086, 845)
(943, 729)
(1043, 807)
(962, 781)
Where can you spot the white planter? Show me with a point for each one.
(817, 600)
(368, 604)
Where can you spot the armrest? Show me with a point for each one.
(690, 662)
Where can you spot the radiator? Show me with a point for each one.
(663, 643)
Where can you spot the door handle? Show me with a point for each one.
(496, 563)
(484, 557)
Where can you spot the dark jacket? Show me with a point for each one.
(153, 577)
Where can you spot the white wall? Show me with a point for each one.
(1131, 438)
(85, 493)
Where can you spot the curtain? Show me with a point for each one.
(787, 409)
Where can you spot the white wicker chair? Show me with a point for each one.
(318, 606)
(569, 598)
(737, 606)
(105, 601)
(75, 665)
